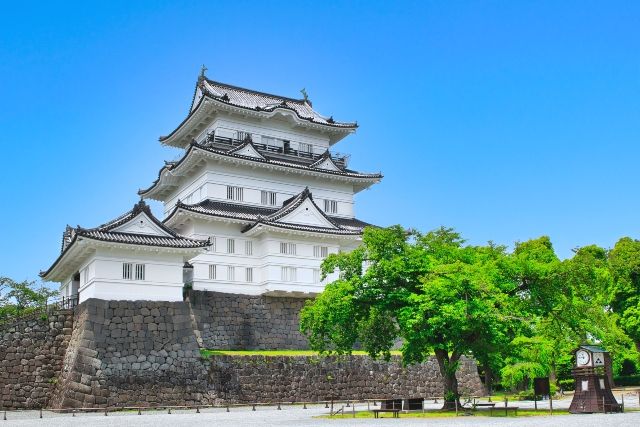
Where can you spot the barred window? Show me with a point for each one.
(140, 271)
(234, 193)
(86, 275)
(306, 148)
(249, 274)
(248, 247)
(231, 273)
(287, 248)
(320, 251)
(213, 272)
(288, 274)
(212, 248)
(331, 206)
(268, 197)
(316, 275)
(231, 246)
(126, 270)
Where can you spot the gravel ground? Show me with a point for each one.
(297, 416)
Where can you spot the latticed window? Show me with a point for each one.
(268, 197)
(140, 271)
(231, 246)
(287, 248)
(316, 275)
(248, 247)
(288, 274)
(231, 273)
(127, 268)
(320, 251)
(212, 248)
(305, 148)
(213, 272)
(249, 274)
(331, 206)
(234, 193)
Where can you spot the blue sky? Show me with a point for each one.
(504, 119)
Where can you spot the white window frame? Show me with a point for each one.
(288, 274)
(213, 271)
(248, 247)
(287, 248)
(231, 273)
(235, 193)
(248, 274)
(316, 275)
(305, 148)
(330, 206)
(140, 272)
(268, 198)
(231, 246)
(127, 270)
(212, 248)
(320, 251)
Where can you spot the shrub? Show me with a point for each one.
(626, 380)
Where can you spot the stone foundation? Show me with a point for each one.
(242, 322)
(31, 355)
(144, 353)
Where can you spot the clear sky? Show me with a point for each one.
(504, 119)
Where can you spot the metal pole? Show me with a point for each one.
(40, 412)
(353, 410)
(550, 404)
(506, 401)
(456, 403)
(622, 397)
(535, 402)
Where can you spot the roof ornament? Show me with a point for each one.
(203, 70)
(305, 95)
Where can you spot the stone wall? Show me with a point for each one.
(132, 353)
(241, 322)
(306, 378)
(31, 355)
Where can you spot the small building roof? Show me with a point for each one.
(136, 227)
(253, 216)
(592, 348)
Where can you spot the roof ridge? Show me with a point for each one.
(229, 86)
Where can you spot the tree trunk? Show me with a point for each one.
(448, 367)
(488, 379)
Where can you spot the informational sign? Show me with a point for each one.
(598, 359)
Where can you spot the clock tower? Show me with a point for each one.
(592, 374)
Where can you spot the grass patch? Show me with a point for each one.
(271, 353)
(449, 414)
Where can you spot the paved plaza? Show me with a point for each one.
(296, 415)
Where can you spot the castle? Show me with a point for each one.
(254, 204)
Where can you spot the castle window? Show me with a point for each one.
(126, 270)
(249, 274)
(86, 275)
(288, 274)
(140, 271)
(231, 246)
(231, 273)
(316, 275)
(213, 270)
(212, 248)
(320, 251)
(234, 193)
(248, 247)
(287, 248)
(330, 206)
(268, 197)
(306, 148)
(243, 135)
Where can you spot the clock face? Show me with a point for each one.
(582, 358)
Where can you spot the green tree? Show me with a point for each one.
(624, 292)
(436, 294)
(18, 298)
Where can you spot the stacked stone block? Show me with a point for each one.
(242, 322)
(31, 355)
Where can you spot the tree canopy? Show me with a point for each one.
(519, 313)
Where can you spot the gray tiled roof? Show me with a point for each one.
(260, 101)
(253, 214)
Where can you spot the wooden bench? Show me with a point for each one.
(506, 410)
(376, 412)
